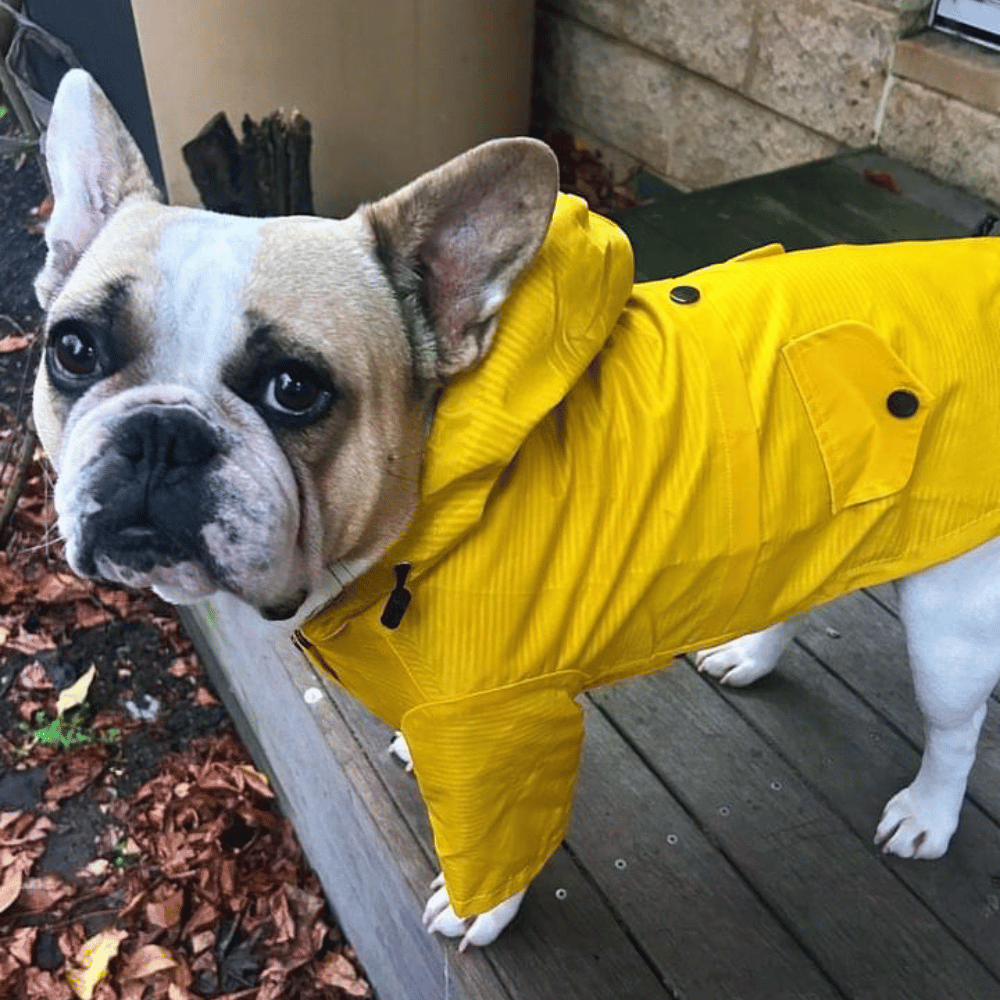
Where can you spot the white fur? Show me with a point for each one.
(952, 618)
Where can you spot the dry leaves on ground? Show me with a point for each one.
(198, 887)
(583, 172)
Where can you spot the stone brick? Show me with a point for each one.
(684, 127)
(948, 138)
(913, 13)
(824, 64)
(711, 38)
(953, 66)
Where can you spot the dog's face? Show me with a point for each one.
(234, 403)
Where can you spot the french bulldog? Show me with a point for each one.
(237, 404)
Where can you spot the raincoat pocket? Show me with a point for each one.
(866, 408)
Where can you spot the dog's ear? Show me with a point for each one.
(94, 165)
(455, 241)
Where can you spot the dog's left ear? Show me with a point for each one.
(455, 241)
(94, 165)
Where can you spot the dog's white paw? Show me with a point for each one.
(916, 827)
(400, 748)
(440, 918)
(745, 660)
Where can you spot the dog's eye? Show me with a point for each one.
(295, 391)
(73, 354)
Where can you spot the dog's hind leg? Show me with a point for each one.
(952, 618)
(742, 661)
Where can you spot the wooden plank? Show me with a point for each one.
(372, 869)
(566, 941)
(964, 208)
(806, 206)
(870, 935)
(869, 655)
(669, 884)
(855, 763)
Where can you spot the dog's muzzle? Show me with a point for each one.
(152, 497)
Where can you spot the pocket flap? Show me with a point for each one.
(866, 408)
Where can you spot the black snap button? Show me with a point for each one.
(902, 403)
(684, 295)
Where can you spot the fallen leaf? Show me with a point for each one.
(69, 774)
(43, 210)
(336, 970)
(93, 959)
(41, 985)
(30, 642)
(10, 889)
(147, 961)
(204, 698)
(257, 780)
(166, 912)
(21, 944)
(76, 693)
(34, 677)
(15, 342)
(882, 179)
(41, 894)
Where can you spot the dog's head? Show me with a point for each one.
(234, 403)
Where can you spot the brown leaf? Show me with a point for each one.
(336, 970)
(10, 889)
(203, 697)
(58, 587)
(40, 985)
(15, 342)
(43, 210)
(34, 677)
(166, 912)
(89, 616)
(30, 642)
(882, 179)
(69, 774)
(21, 943)
(42, 893)
(148, 960)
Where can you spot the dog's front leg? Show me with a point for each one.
(745, 660)
(952, 618)
(440, 918)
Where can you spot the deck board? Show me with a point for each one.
(744, 818)
(802, 858)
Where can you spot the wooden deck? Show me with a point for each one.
(721, 845)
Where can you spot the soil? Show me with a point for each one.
(156, 748)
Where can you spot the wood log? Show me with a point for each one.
(215, 162)
(264, 174)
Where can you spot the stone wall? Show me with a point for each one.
(707, 91)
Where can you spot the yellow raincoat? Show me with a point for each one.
(637, 471)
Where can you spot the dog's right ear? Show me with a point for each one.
(94, 165)
(454, 242)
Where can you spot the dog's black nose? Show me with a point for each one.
(155, 494)
(167, 439)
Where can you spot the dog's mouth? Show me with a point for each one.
(140, 555)
(283, 611)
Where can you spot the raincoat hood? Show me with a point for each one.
(638, 471)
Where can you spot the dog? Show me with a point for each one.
(536, 476)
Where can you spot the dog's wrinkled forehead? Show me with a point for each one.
(187, 291)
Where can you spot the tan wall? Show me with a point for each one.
(391, 87)
(707, 92)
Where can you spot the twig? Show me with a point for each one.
(20, 478)
(12, 322)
